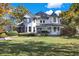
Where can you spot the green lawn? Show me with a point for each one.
(41, 46)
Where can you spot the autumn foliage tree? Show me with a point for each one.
(4, 8)
(19, 12)
(70, 18)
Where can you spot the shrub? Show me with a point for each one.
(68, 31)
(2, 35)
(44, 33)
(27, 34)
(12, 33)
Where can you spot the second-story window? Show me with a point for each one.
(54, 19)
(43, 21)
(29, 20)
(40, 21)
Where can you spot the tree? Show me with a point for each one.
(4, 8)
(70, 18)
(19, 12)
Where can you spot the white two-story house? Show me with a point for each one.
(41, 23)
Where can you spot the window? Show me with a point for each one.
(29, 20)
(40, 21)
(29, 29)
(54, 20)
(25, 20)
(34, 20)
(26, 29)
(49, 28)
(39, 30)
(54, 29)
(58, 29)
(33, 29)
(43, 21)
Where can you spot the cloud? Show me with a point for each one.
(49, 12)
(58, 12)
(54, 5)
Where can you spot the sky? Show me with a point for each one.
(45, 7)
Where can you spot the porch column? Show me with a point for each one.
(25, 28)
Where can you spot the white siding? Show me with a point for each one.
(49, 21)
(33, 24)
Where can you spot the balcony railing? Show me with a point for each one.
(47, 24)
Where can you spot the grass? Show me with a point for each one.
(39, 46)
